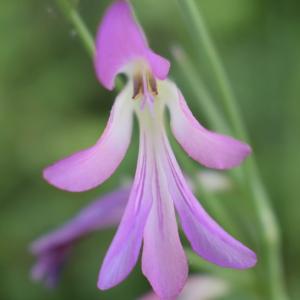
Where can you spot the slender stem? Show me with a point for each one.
(86, 38)
(212, 112)
(74, 18)
(268, 226)
(199, 31)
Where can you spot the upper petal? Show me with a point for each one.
(207, 238)
(163, 262)
(90, 167)
(120, 41)
(124, 250)
(211, 149)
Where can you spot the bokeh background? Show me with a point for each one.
(52, 105)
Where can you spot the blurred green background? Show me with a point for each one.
(52, 105)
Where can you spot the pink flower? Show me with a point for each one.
(53, 249)
(159, 184)
(198, 287)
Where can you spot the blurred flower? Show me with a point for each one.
(53, 249)
(198, 288)
(159, 183)
(214, 181)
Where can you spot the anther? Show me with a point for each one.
(144, 84)
(138, 89)
(151, 83)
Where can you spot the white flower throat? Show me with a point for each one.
(144, 88)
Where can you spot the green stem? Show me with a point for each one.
(199, 31)
(74, 18)
(86, 38)
(255, 187)
(213, 114)
(268, 226)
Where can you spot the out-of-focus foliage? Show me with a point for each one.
(52, 105)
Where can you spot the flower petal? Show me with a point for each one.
(53, 249)
(207, 238)
(198, 288)
(48, 267)
(90, 167)
(120, 41)
(211, 149)
(124, 250)
(163, 262)
(103, 212)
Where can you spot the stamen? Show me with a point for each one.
(138, 89)
(144, 88)
(151, 83)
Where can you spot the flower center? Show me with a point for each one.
(145, 88)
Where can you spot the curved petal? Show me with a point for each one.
(207, 238)
(198, 287)
(163, 262)
(120, 41)
(159, 65)
(124, 250)
(49, 265)
(90, 167)
(52, 250)
(101, 213)
(211, 149)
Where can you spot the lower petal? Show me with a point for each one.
(207, 238)
(164, 262)
(124, 250)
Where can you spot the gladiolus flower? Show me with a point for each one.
(53, 249)
(159, 185)
(214, 181)
(198, 287)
